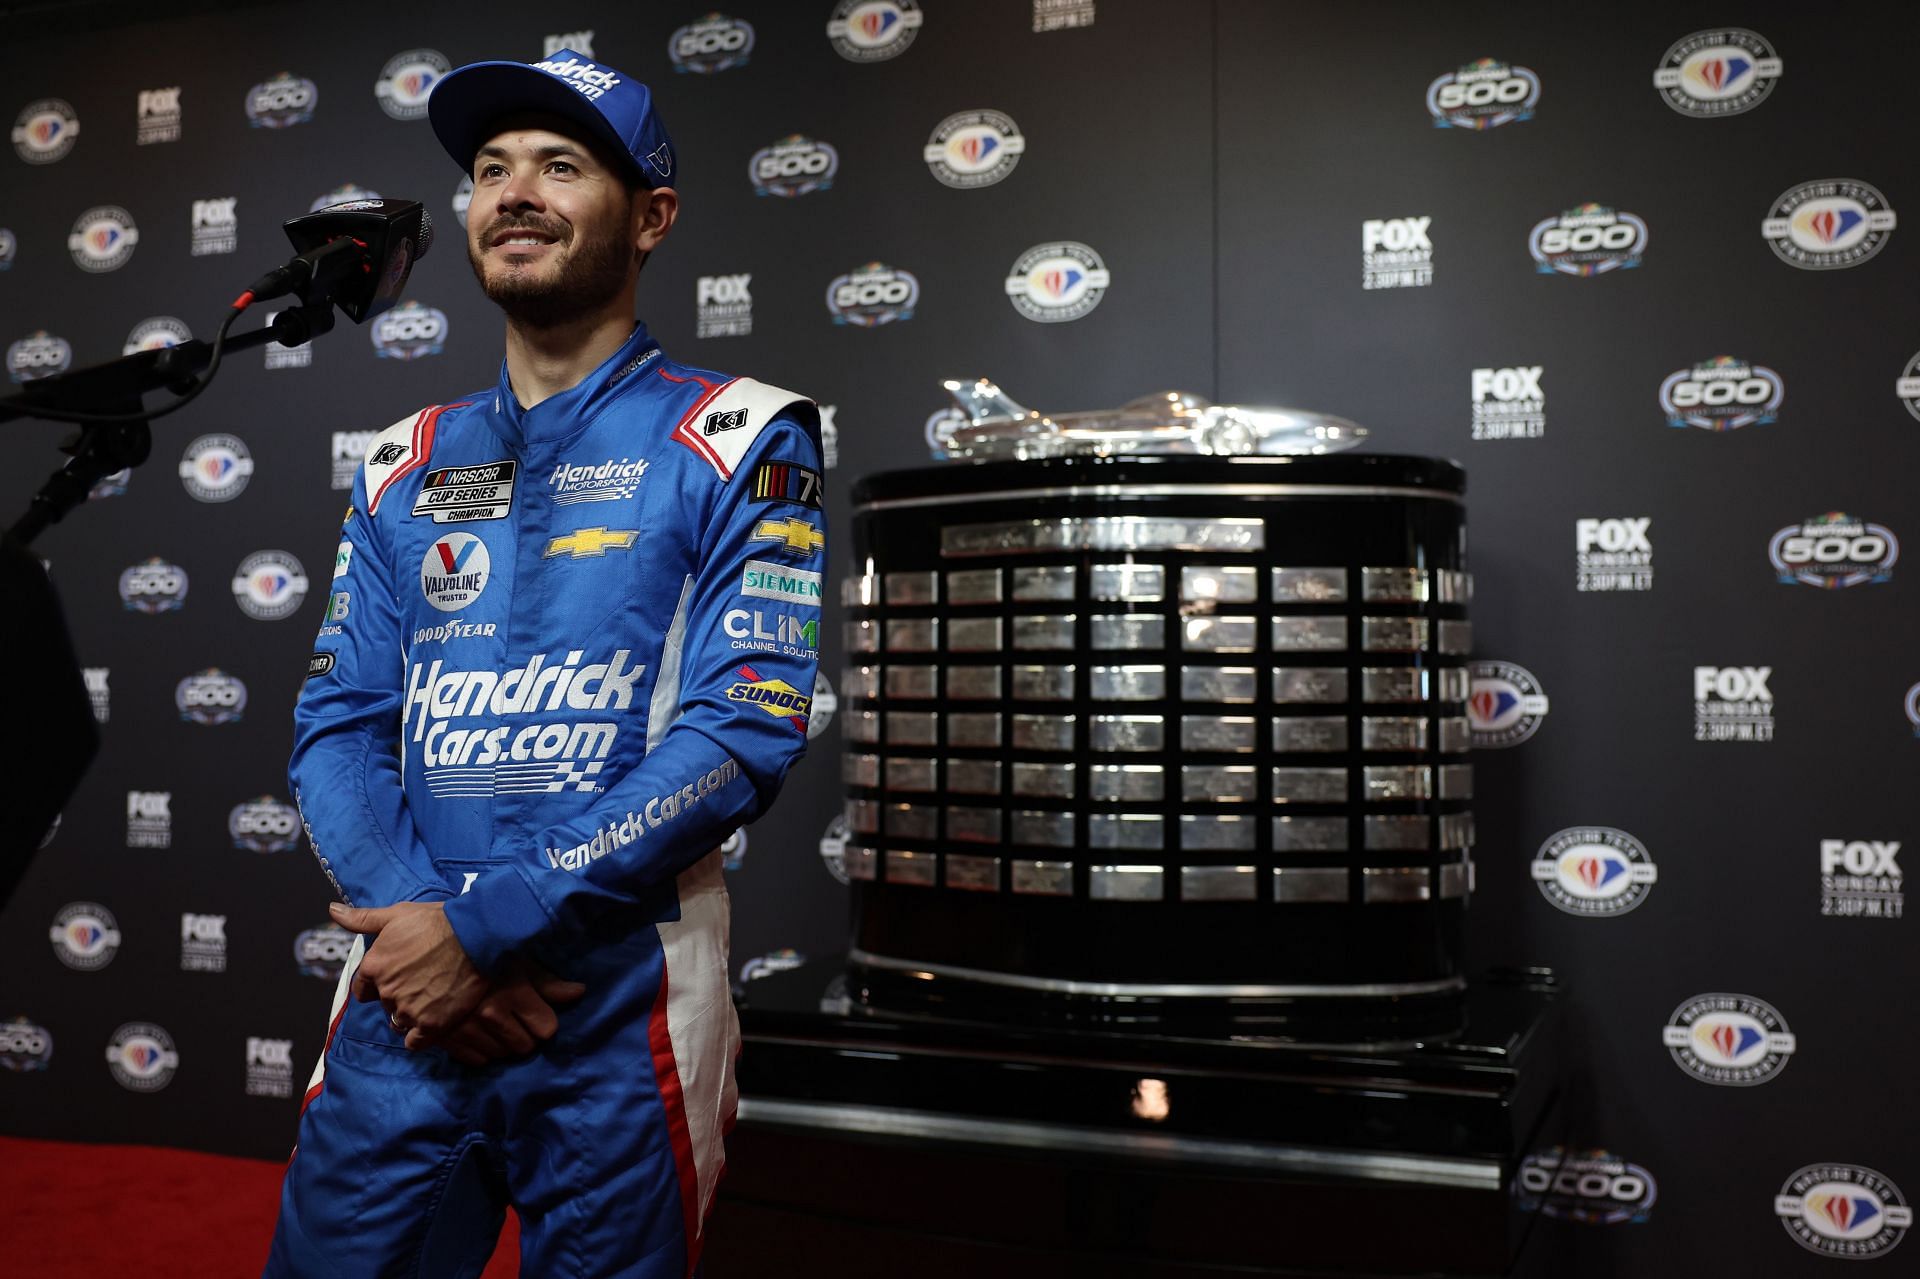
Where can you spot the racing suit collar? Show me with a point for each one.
(565, 413)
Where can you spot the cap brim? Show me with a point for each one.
(467, 101)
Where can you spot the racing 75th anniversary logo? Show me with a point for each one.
(1595, 871)
(1834, 550)
(1588, 240)
(1843, 1210)
(1483, 95)
(85, 936)
(407, 81)
(45, 131)
(216, 468)
(1722, 394)
(156, 334)
(1828, 224)
(1718, 72)
(1733, 1040)
(1506, 706)
(103, 238)
(1057, 282)
(873, 30)
(974, 149)
(269, 585)
(141, 1057)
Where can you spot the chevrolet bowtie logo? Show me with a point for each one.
(591, 541)
(800, 537)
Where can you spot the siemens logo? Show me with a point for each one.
(762, 580)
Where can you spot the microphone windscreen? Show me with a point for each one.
(426, 235)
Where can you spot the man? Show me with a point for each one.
(570, 649)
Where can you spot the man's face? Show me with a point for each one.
(550, 231)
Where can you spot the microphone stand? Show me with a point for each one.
(115, 388)
(33, 629)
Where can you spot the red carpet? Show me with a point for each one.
(70, 1211)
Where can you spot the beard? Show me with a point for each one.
(594, 275)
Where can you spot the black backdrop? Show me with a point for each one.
(1223, 161)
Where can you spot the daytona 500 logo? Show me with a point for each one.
(493, 758)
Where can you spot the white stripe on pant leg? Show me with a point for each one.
(340, 992)
(701, 1023)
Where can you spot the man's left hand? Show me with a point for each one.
(418, 972)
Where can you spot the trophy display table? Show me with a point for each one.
(931, 1143)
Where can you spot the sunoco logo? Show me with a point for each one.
(103, 238)
(1483, 95)
(210, 697)
(410, 331)
(1595, 871)
(156, 334)
(322, 952)
(454, 571)
(1593, 1187)
(264, 825)
(45, 131)
(141, 1057)
(24, 1046)
(154, 586)
(406, 81)
(38, 355)
(1824, 225)
(774, 696)
(1719, 72)
(85, 936)
(1054, 283)
(871, 295)
(269, 585)
(344, 195)
(974, 149)
(485, 756)
(1734, 1040)
(715, 43)
(795, 165)
(282, 101)
(873, 30)
(1832, 551)
(1843, 1210)
(1722, 394)
(216, 468)
(1506, 706)
(1590, 239)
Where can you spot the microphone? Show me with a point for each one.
(355, 255)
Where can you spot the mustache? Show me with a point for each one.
(506, 226)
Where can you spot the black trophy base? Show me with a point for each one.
(940, 1143)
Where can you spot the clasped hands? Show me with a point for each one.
(432, 992)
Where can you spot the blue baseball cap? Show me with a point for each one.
(612, 106)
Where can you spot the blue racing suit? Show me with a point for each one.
(568, 650)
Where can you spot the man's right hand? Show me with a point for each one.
(511, 1021)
